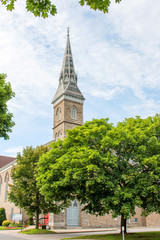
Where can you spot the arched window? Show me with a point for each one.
(58, 113)
(6, 188)
(73, 112)
(0, 185)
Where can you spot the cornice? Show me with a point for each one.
(67, 97)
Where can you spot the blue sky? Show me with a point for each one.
(116, 57)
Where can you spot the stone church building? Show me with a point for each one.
(68, 113)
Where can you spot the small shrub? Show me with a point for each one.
(2, 215)
(18, 224)
(25, 226)
(14, 224)
(30, 222)
(6, 223)
(11, 224)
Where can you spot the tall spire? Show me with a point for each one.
(68, 88)
(68, 72)
(68, 46)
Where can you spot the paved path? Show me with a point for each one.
(15, 235)
(66, 233)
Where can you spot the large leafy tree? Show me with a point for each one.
(81, 141)
(108, 169)
(92, 166)
(24, 191)
(136, 148)
(6, 93)
(148, 159)
(45, 7)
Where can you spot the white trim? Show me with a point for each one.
(8, 166)
(48, 143)
(74, 99)
(58, 100)
(68, 98)
(6, 186)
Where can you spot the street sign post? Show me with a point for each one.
(123, 232)
(17, 217)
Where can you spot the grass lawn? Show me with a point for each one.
(37, 231)
(6, 228)
(129, 236)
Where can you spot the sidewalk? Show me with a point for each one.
(83, 230)
(69, 233)
(59, 234)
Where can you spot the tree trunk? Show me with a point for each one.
(123, 223)
(37, 219)
(37, 211)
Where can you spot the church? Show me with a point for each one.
(68, 113)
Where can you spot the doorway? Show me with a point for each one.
(73, 214)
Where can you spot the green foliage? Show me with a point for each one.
(9, 228)
(101, 5)
(45, 7)
(14, 224)
(108, 169)
(6, 223)
(39, 8)
(6, 94)
(2, 215)
(24, 192)
(70, 160)
(37, 231)
(30, 221)
(18, 224)
(128, 236)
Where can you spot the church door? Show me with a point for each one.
(46, 219)
(73, 214)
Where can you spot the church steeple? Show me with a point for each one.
(68, 100)
(68, 78)
(68, 72)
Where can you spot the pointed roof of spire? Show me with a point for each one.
(68, 78)
(68, 46)
(68, 71)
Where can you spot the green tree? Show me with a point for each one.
(101, 5)
(45, 7)
(24, 191)
(149, 166)
(104, 167)
(2, 215)
(6, 94)
(85, 166)
(131, 143)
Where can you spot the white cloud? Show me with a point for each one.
(12, 152)
(116, 56)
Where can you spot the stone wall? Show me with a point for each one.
(93, 221)
(65, 121)
(10, 208)
(87, 220)
(153, 220)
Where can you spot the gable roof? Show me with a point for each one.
(6, 160)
